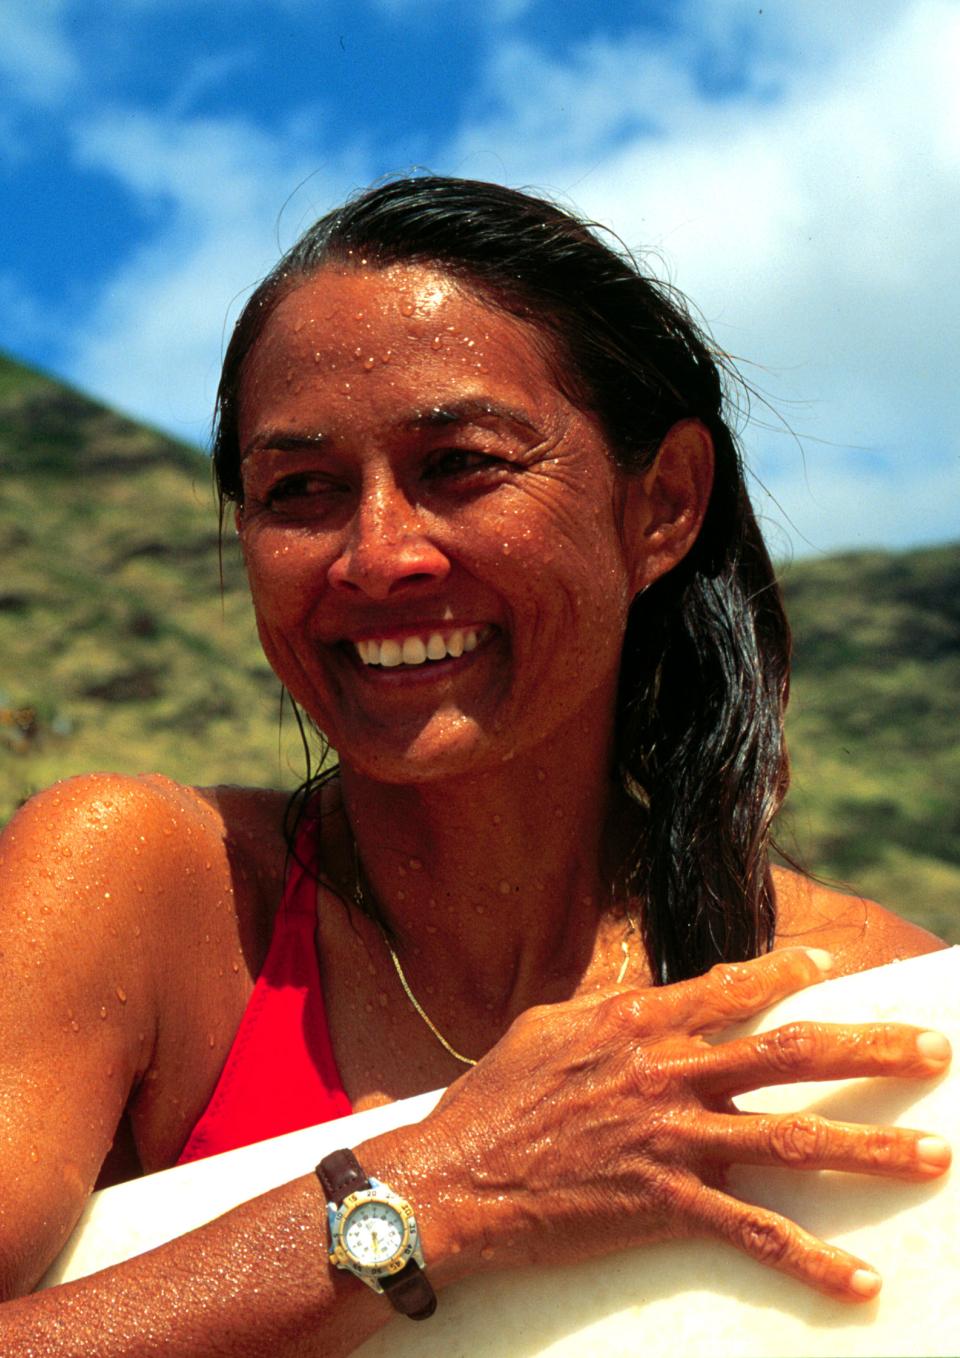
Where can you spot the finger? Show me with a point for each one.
(782, 1245)
(816, 1051)
(733, 991)
(806, 1141)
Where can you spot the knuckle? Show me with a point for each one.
(798, 1140)
(738, 986)
(651, 1079)
(794, 1047)
(883, 1041)
(766, 1238)
(884, 1148)
(626, 1012)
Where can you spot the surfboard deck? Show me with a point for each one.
(698, 1299)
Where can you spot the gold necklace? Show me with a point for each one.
(361, 900)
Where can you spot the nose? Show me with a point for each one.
(387, 550)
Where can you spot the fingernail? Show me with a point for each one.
(821, 957)
(866, 1282)
(932, 1152)
(933, 1047)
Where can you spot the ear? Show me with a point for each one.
(665, 505)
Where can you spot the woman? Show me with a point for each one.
(501, 554)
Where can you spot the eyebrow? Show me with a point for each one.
(283, 441)
(465, 411)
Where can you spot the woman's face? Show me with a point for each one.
(433, 533)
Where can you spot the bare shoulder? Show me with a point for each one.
(860, 933)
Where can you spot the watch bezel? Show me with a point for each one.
(341, 1255)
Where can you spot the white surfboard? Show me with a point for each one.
(695, 1299)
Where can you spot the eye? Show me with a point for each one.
(302, 488)
(462, 462)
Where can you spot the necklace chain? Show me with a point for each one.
(360, 898)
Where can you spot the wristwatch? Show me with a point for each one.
(373, 1235)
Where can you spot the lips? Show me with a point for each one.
(420, 648)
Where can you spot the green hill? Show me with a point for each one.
(118, 649)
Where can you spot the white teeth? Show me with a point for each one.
(417, 650)
(414, 652)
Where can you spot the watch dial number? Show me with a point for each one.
(374, 1233)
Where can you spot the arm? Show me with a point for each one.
(521, 1163)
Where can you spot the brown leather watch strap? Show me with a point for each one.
(340, 1175)
(410, 1293)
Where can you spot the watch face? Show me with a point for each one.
(373, 1233)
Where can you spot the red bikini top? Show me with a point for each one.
(280, 1074)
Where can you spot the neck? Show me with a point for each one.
(497, 887)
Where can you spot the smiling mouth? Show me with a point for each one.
(393, 652)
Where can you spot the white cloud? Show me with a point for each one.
(816, 231)
(35, 56)
(154, 342)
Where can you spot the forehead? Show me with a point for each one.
(406, 333)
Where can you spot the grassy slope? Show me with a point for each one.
(117, 650)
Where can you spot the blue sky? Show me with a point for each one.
(794, 167)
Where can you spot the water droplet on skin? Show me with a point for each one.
(406, 307)
(369, 1008)
(369, 363)
(103, 1011)
(479, 908)
(487, 1252)
(401, 895)
(34, 1154)
(497, 818)
(436, 342)
(505, 548)
(210, 1040)
(235, 967)
(75, 1025)
(504, 888)
(121, 994)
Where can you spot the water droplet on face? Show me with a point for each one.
(121, 994)
(369, 363)
(75, 1025)
(210, 1040)
(406, 307)
(504, 888)
(34, 1154)
(436, 342)
(103, 1011)
(487, 1252)
(235, 966)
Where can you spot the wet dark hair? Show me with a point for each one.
(703, 684)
